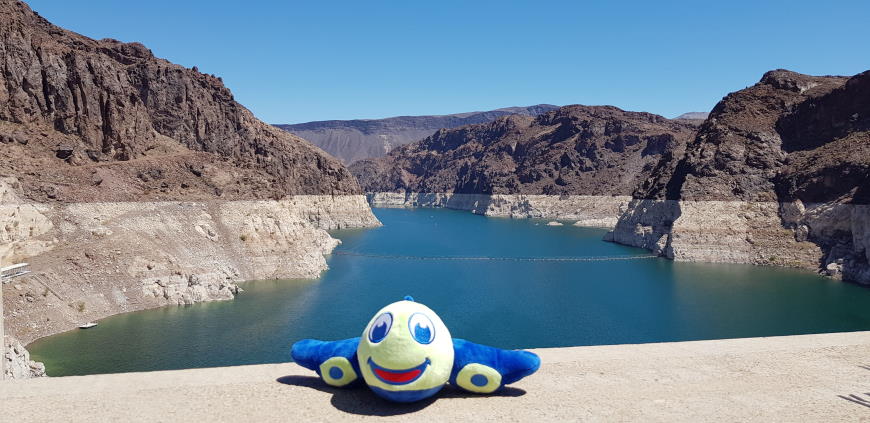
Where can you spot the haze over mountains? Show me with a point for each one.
(352, 140)
(693, 116)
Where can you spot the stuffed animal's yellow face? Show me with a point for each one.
(405, 348)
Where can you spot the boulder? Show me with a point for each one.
(18, 362)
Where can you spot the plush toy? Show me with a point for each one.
(406, 354)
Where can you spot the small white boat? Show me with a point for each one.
(87, 325)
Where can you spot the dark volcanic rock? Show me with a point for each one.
(779, 173)
(789, 137)
(351, 140)
(594, 150)
(115, 103)
(828, 141)
(738, 150)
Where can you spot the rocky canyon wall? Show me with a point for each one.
(18, 364)
(778, 174)
(577, 163)
(130, 182)
(98, 259)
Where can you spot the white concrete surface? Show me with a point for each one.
(810, 378)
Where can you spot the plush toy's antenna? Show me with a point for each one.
(409, 298)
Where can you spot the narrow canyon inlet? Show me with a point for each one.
(506, 303)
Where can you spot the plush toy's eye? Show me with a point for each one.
(421, 328)
(381, 327)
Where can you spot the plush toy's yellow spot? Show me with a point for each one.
(479, 378)
(337, 371)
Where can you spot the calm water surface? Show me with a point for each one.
(502, 303)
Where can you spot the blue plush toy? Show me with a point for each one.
(406, 354)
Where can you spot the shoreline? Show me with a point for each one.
(596, 211)
(828, 238)
(150, 254)
(798, 377)
(582, 209)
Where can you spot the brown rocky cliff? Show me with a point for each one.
(828, 143)
(777, 174)
(87, 112)
(789, 137)
(594, 150)
(738, 150)
(125, 181)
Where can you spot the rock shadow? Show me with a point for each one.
(360, 400)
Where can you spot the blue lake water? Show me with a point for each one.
(509, 304)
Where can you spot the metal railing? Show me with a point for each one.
(15, 270)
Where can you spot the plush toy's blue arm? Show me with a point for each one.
(482, 369)
(334, 361)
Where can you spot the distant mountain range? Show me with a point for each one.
(595, 150)
(693, 116)
(352, 140)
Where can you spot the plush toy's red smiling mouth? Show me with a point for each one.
(398, 377)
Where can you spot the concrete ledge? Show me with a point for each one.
(795, 378)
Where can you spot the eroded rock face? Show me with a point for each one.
(738, 151)
(88, 120)
(20, 224)
(575, 150)
(18, 364)
(778, 174)
(110, 258)
(647, 224)
(184, 289)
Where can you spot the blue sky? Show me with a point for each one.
(293, 62)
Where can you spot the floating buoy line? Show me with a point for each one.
(581, 258)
